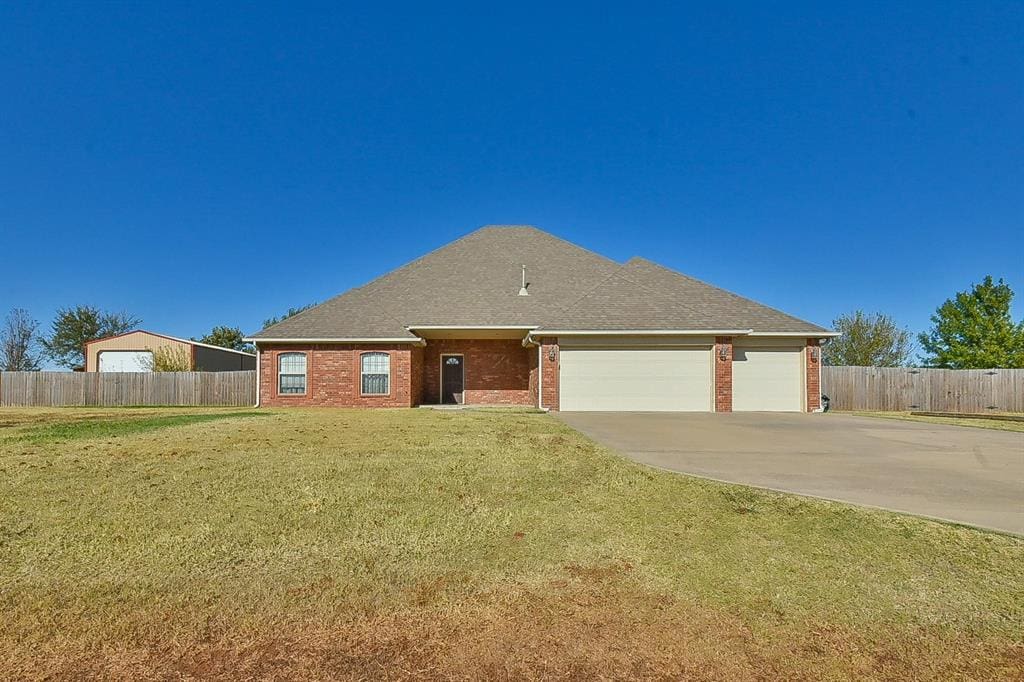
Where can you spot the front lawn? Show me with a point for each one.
(423, 544)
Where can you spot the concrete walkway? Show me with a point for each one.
(962, 474)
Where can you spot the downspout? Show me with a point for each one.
(259, 371)
(821, 389)
(540, 368)
(821, 361)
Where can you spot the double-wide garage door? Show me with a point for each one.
(635, 380)
(678, 379)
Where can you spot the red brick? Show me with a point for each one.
(723, 374)
(497, 371)
(813, 375)
(333, 376)
(550, 359)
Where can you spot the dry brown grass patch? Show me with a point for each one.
(579, 629)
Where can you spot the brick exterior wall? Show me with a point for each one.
(416, 375)
(549, 372)
(497, 371)
(813, 375)
(333, 375)
(723, 374)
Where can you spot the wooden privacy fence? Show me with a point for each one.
(928, 390)
(109, 389)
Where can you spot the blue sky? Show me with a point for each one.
(199, 165)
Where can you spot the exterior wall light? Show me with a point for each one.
(551, 353)
(814, 353)
(723, 353)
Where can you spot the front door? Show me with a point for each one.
(452, 380)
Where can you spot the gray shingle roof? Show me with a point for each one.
(620, 302)
(724, 308)
(475, 281)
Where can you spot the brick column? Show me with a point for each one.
(723, 374)
(549, 372)
(813, 354)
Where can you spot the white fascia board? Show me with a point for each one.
(404, 339)
(230, 350)
(642, 332)
(442, 327)
(806, 335)
(194, 343)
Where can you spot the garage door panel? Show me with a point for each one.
(767, 380)
(635, 380)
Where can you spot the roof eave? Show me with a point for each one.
(641, 332)
(404, 339)
(469, 327)
(808, 334)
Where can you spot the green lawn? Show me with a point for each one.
(312, 544)
(996, 424)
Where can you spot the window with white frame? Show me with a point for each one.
(291, 373)
(375, 369)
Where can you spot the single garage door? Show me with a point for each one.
(635, 380)
(125, 360)
(767, 380)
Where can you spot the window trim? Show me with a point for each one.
(304, 375)
(363, 354)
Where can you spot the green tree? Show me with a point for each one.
(226, 337)
(868, 341)
(286, 315)
(18, 342)
(974, 330)
(73, 327)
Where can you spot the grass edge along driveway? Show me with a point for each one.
(424, 544)
(993, 424)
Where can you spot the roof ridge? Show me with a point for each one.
(574, 245)
(551, 235)
(463, 238)
(478, 230)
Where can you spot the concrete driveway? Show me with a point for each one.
(963, 474)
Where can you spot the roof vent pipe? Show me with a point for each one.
(522, 289)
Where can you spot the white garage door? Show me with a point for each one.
(635, 380)
(767, 380)
(125, 361)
